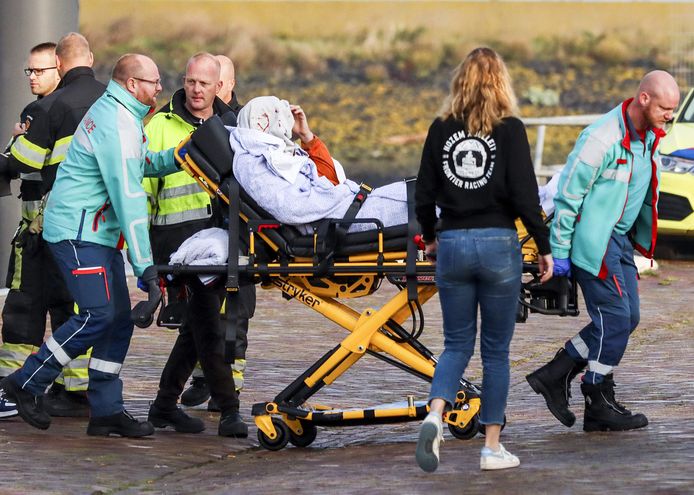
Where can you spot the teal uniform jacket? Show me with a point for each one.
(592, 193)
(98, 191)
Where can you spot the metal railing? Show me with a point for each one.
(542, 170)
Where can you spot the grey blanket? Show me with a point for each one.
(308, 198)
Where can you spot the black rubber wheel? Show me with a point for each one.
(483, 430)
(306, 438)
(468, 431)
(142, 323)
(279, 442)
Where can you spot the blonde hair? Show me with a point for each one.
(481, 93)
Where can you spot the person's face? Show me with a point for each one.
(659, 109)
(43, 77)
(201, 84)
(147, 86)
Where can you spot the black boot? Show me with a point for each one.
(58, 402)
(604, 413)
(121, 423)
(29, 406)
(181, 422)
(553, 381)
(231, 425)
(197, 393)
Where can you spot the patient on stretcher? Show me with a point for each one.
(281, 177)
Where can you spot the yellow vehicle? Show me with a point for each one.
(676, 203)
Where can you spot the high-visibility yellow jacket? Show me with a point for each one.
(176, 198)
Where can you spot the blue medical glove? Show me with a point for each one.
(182, 152)
(562, 267)
(142, 285)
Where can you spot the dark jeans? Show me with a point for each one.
(201, 337)
(477, 268)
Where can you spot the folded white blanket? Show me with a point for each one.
(207, 247)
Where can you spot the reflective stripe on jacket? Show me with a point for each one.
(176, 198)
(98, 191)
(592, 193)
(53, 120)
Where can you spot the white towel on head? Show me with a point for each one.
(273, 117)
(270, 115)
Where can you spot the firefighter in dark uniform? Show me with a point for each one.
(25, 304)
(36, 284)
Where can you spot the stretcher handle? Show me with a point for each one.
(563, 295)
(142, 314)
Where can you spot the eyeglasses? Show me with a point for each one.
(37, 71)
(156, 82)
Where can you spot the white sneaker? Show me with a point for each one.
(501, 459)
(430, 436)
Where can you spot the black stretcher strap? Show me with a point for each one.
(357, 202)
(232, 283)
(351, 213)
(330, 234)
(412, 230)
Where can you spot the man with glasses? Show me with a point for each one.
(180, 208)
(25, 305)
(36, 286)
(96, 205)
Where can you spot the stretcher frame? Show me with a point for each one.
(317, 279)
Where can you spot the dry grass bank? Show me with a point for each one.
(371, 75)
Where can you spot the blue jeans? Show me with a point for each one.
(95, 277)
(477, 268)
(613, 306)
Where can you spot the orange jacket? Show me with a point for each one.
(318, 152)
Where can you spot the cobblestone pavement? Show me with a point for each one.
(654, 378)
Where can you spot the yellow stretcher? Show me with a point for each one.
(320, 271)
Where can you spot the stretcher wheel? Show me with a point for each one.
(468, 431)
(483, 430)
(306, 438)
(280, 441)
(145, 323)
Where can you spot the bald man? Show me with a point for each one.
(605, 207)
(51, 123)
(97, 204)
(180, 209)
(228, 78)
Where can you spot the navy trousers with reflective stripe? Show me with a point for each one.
(613, 306)
(95, 277)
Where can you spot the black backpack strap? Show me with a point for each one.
(412, 230)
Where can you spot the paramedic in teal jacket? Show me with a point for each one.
(605, 207)
(98, 202)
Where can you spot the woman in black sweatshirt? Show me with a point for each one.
(476, 168)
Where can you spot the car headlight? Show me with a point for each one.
(677, 164)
